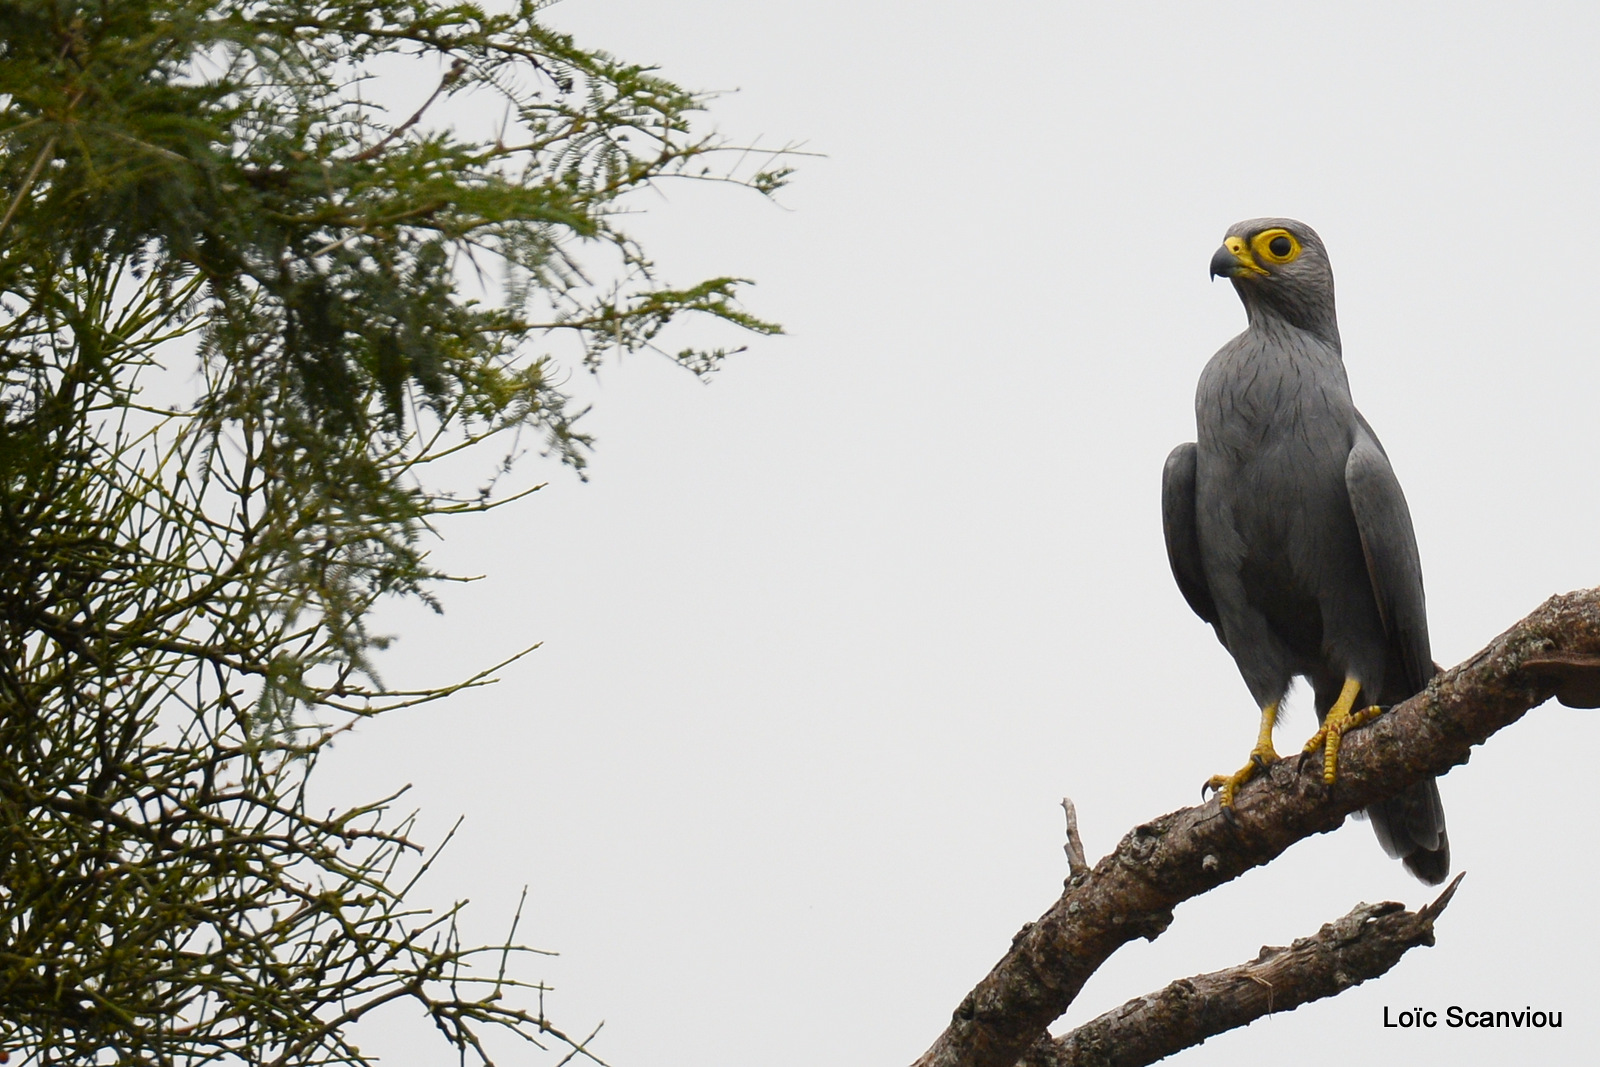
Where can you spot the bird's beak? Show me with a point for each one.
(1234, 260)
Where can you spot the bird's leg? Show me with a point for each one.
(1227, 784)
(1341, 719)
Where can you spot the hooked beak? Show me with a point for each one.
(1234, 260)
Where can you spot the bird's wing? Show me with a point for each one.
(1390, 547)
(1183, 534)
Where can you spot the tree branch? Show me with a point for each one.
(1131, 892)
(451, 76)
(1076, 863)
(1364, 944)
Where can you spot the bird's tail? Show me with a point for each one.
(1410, 827)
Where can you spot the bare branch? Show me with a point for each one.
(451, 76)
(1363, 944)
(45, 155)
(1131, 892)
(1076, 863)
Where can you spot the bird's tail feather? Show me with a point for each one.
(1410, 827)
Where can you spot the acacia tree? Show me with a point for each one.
(236, 334)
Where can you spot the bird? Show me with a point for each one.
(1287, 530)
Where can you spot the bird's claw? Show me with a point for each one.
(1226, 785)
(1331, 734)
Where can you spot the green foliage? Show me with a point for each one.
(233, 337)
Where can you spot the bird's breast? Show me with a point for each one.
(1275, 426)
(1261, 402)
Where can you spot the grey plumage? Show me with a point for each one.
(1286, 527)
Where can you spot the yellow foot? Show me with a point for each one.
(1225, 785)
(1342, 718)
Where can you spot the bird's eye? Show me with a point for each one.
(1276, 245)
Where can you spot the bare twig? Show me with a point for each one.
(1131, 893)
(46, 154)
(1076, 863)
(451, 76)
(1363, 944)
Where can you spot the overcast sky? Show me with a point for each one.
(827, 640)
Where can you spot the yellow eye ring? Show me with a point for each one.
(1276, 245)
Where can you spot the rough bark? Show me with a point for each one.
(1131, 892)
(1363, 944)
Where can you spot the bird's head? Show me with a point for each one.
(1279, 267)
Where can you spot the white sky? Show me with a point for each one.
(826, 641)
